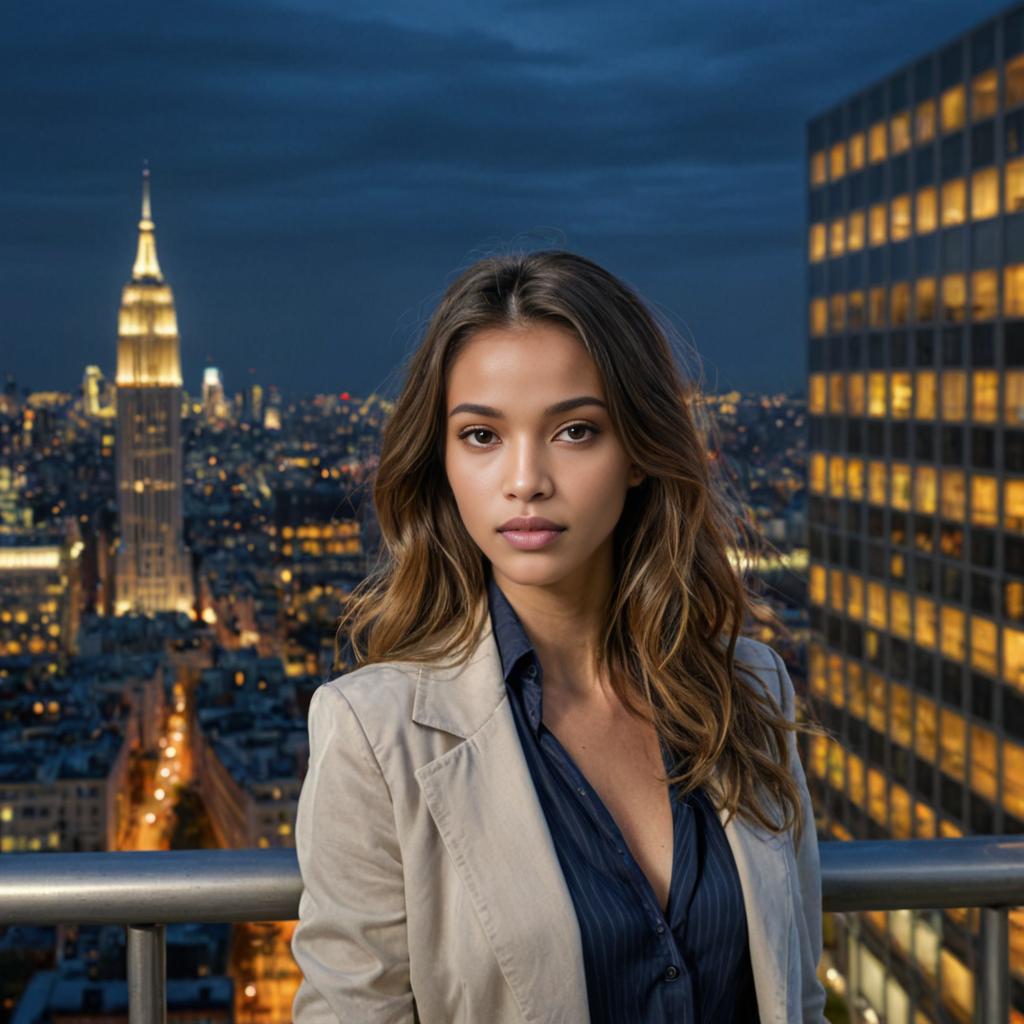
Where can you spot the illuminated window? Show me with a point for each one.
(1014, 181)
(901, 719)
(900, 827)
(952, 494)
(816, 243)
(899, 129)
(954, 203)
(817, 584)
(984, 761)
(855, 310)
(876, 224)
(984, 95)
(899, 608)
(924, 825)
(877, 605)
(876, 307)
(985, 193)
(984, 645)
(899, 227)
(876, 394)
(924, 489)
(818, 168)
(837, 312)
(1013, 403)
(855, 231)
(984, 294)
(1013, 505)
(1014, 81)
(900, 479)
(855, 394)
(924, 621)
(818, 317)
(855, 609)
(837, 476)
(899, 303)
(985, 396)
(951, 632)
(837, 237)
(924, 394)
(924, 121)
(877, 483)
(954, 298)
(954, 395)
(817, 472)
(837, 160)
(953, 733)
(855, 479)
(984, 501)
(1013, 656)
(835, 679)
(836, 393)
(902, 395)
(1013, 777)
(857, 148)
(951, 108)
(877, 144)
(926, 209)
(924, 299)
(1013, 290)
(926, 721)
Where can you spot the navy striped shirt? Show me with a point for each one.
(690, 965)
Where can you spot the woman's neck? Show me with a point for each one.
(564, 622)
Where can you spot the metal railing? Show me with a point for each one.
(147, 891)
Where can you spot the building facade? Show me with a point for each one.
(153, 567)
(915, 200)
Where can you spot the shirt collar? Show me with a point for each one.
(509, 634)
(519, 663)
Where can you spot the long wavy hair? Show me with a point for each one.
(679, 600)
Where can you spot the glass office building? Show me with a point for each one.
(915, 260)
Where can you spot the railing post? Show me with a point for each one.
(147, 972)
(995, 965)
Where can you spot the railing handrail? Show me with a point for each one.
(146, 891)
(163, 887)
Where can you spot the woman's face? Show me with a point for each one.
(528, 435)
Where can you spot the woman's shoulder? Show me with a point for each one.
(375, 691)
(767, 666)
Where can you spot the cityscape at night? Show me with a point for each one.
(181, 523)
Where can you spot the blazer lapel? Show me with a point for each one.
(481, 797)
(761, 862)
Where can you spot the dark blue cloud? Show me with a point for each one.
(321, 170)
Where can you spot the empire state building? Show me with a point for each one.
(153, 566)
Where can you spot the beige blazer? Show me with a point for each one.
(431, 887)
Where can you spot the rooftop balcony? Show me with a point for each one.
(146, 891)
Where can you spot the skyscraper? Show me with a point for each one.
(916, 513)
(153, 568)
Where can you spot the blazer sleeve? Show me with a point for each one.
(350, 942)
(808, 865)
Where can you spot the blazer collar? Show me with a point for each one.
(482, 800)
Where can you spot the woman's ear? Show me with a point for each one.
(636, 475)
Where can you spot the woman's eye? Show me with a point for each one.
(580, 427)
(475, 432)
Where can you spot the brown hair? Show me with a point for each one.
(678, 603)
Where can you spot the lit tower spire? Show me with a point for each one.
(146, 266)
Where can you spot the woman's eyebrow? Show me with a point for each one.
(496, 414)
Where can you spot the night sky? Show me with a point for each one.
(321, 170)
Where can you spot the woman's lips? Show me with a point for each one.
(530, 540)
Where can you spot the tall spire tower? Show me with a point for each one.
(154, 570)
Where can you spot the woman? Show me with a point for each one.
(560, 786)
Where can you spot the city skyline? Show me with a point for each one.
(323, 178)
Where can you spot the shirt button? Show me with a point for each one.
(671, 972)
(661, 931)
(582, 792)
